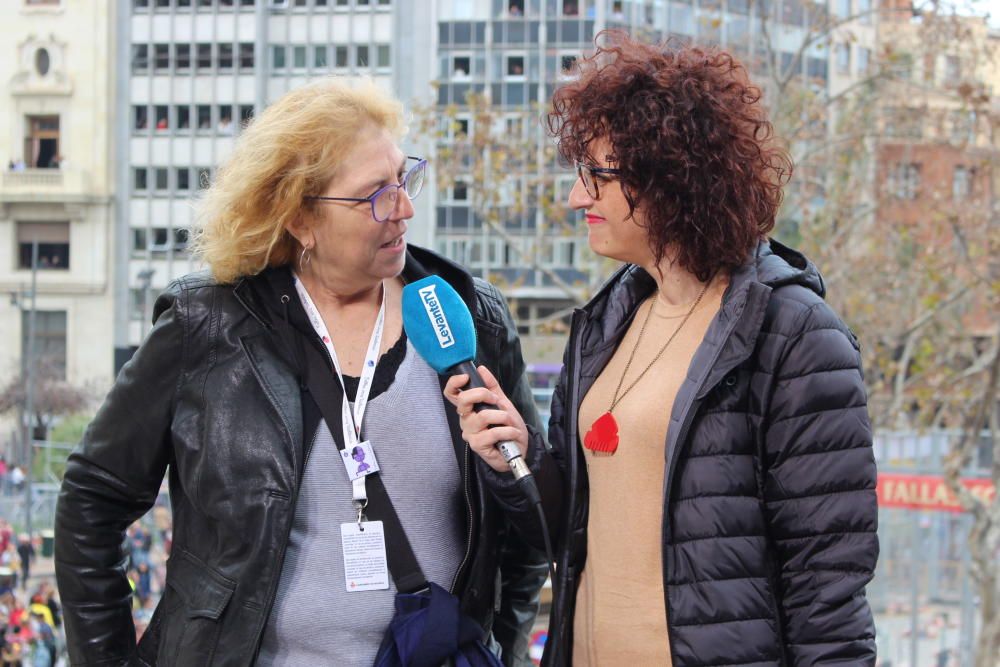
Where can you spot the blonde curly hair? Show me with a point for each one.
(292, 150)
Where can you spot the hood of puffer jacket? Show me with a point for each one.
(772, 264)
(778, 265)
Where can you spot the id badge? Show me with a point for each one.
(359, 460)
(365, 564)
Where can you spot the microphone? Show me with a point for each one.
(440, 327)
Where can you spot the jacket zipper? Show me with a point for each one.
(573, 454)
(273, 589)
(468, 508)
(674, 457)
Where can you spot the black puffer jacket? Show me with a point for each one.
(769, 511)
(212, 397)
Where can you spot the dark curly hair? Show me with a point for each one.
(691, 139)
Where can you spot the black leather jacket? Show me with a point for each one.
(211, 397)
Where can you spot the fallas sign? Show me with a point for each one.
(928, 492)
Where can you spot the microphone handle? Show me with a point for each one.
(510, 451)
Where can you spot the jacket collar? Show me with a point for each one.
(770, 265)
(261, 294)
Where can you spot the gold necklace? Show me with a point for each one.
(603, 434)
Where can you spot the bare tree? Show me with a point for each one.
(54, 397)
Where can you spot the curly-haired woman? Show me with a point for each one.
(711, 420)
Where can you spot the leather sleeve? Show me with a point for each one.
(819, 494)
(112, 478)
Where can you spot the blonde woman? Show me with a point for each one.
(305, 235)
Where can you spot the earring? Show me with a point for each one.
(304, 258)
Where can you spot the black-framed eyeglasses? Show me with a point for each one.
(383, 200)
(590, 175)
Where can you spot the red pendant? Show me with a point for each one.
(603, 435)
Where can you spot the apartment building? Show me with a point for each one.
(196, 72)
(56, 188)
(939, 150)
(516, 52)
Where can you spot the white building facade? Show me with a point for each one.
(56, 187)
(197, 71)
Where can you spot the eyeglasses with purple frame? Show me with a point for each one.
(412, 184)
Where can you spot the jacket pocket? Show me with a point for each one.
(194, 601)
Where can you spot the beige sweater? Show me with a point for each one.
(620, 615)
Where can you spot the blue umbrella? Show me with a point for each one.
(428, 630)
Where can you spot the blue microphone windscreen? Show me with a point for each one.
(438, 323)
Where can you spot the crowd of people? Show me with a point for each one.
(31, 628)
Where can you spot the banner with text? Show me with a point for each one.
(928, 492)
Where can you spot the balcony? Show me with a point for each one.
(45, 185)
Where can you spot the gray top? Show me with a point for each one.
(314, 620)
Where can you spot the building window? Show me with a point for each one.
(160, 240)
(361, 56)
(162, 179)
(42, 62)
(161, 56)
(182, 56)
(139, 239)
(204, 177)
(567, 65)
(226, 56)
(961, 183)
(183, 179)
(180, 240)
(53, 244)
(461, 67)
(204, 113)
(515, 66)
(906, 181)
(162, 117)
(139, 179)
(570, 8)
(50, 340)
(299, 57)
(246, 114)
(225, 125)
(843, 58)
(140, 4)
(319, 57)
(383, 57)
(140, 58)
(843, 8)
(140, 118)
(340, 57)
(183, 115)
(246, 55)
(42, 143)
(952, 70)
(864, 60)
(278, 57)
(204, 55)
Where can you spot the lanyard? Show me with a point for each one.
(350, 423)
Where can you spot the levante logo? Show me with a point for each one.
(428, 295)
